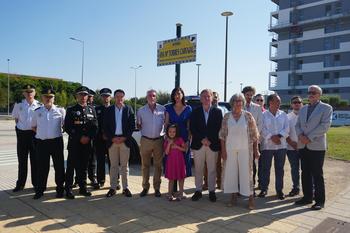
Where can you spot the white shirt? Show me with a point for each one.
(118, 120)
(256, 111)
(48, 123)
(206, 114)
(274, 125)
(23, 112)
(237, 138)
(152, 123)
(292, 120)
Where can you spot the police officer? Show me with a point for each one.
(81, 125)
(92, 158)
(23, 112)
(100, 142)
(47, 122)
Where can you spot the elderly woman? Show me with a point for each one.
(239, 146)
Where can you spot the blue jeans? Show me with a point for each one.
(266, 161)
(294, 160)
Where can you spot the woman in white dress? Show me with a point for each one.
(239, 146)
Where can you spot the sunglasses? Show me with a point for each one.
(296, 102)
(312, 93)
(259, 100)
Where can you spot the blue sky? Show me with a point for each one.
(121, 34)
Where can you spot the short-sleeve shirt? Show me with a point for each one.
(23, 112)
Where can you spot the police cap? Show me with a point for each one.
(106, 91)
(91, 92)
(48, 92)
(82, 90)
(29, 88)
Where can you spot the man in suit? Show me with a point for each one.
(118, 125)
(311, 128)
(205, 123)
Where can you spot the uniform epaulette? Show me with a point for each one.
(37, 108)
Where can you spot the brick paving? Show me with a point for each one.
(20, 213)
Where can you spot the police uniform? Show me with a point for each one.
(92, 158)
(80, 121)
(101, 148)
(23, 113)
(49, 141)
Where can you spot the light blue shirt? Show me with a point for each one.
(152, 123)
(118, 120)
(206, 114)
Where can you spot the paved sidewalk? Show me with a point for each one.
(20, 213)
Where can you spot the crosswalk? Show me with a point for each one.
(8, 157)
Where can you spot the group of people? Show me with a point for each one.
(229, 149)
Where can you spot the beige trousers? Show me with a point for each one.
(119, 153)
(202, 156)
(149, 147)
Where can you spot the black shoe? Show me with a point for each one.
(102, 184)
(317, 206)
(280, 195)
(144, 192)
(196, 196)
(111, 193)
(69, 194)
(212, 196)
(96, 186)
(262, 193)
(157, 193)
(75, 184)
(294, 192)
(84, 192)
(38, 195)
(59, 194)
(118, 187)
(18, 188)
(127, 193)
(303, 201)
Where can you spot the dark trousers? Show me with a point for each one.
(312, 173)
(294, 161)
(92, 163)
(101, 151)
(266, 161)
(45, 148)
(25, 146)
(78, 158)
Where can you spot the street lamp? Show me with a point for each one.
(8, 86)
(135, 68)
(241, 86)
(226, 14)
(198, 65)
(82, 58)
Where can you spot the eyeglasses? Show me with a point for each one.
(296, 102)
(312, 92)
(259, 100)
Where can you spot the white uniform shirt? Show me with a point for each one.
(274, 125)
(292, 119)
(152, 123)
(118, 120)
(48, 123)
(23, 112)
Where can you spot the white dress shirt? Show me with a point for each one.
(118, 120)
(274, 125)
(23, 112)
(152, 123)
(292, 120)
(48, 123)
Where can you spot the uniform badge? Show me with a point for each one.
(78, 113)
(90, 111)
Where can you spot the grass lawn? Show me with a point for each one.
(339, 143)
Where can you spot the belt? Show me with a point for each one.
(153, 139)
(118, 135)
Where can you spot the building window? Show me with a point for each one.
(327, 43)
(336, 60)
(338, 7)
(326, 79)
(300, 64)
(300, 80)
(336, 42)
(325, 91)
(335, 90)
(328, 10)
(327, 61)
(336, 76)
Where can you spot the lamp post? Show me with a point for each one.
(82, 58)
(226, 14)
(241, 86)
(198, 65)
(135, 68)
(8, 86)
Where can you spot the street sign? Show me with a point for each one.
(177, 51)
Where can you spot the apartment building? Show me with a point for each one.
(310, 45)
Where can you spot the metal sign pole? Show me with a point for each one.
(177, 66)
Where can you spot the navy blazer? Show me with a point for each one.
(109, 124)
(200, 130)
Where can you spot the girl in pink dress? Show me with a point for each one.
(175, 147)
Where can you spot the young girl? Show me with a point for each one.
(175, 163)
